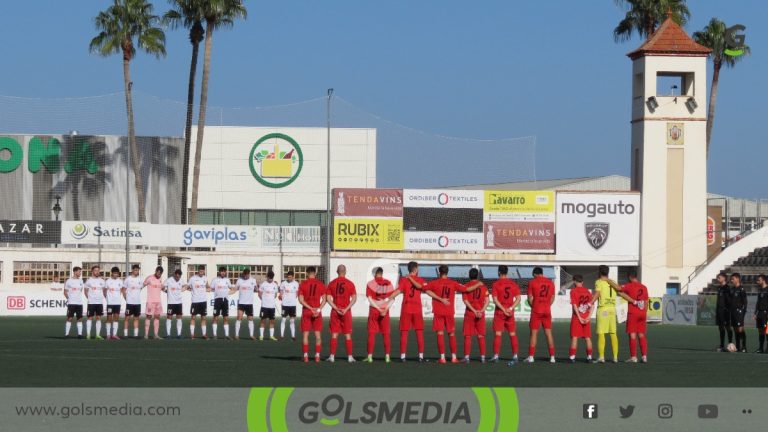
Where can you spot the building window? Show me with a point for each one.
(36, 272)
(262, 217)
(105, 268)
(192, 270)
(258, 272)
(300, 272)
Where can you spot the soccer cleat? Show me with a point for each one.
(351, 359)
(261, 338)
(422, 360)
(466, 360)
(273, 338)
(744, 350)
(454, 360)
(237, 338)
(631, 360)
(206, 337)
(178, 337)
(79, 336)
(146, 337)
(514, 357)
(330, 359)
(386, 359)
(306, 359)
(552, 359)
(720, 349)
(482, 360)
(442, 361)
(368, 359)
(600, 360)
(168, 337)
(529, 359)
(495, 359)
(571, 360)
(158, 337)
(294, 339)
(644, 359)
(615, 360)
(317, 358)
(758, 351)
(253, 338)
(99, 338)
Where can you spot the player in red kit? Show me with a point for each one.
(379, 292)
(636, 294)
(506, 297)
(581, 303)
(443, 292)
(341, 295)
(312, 298)
(474, 316)
(411, 315)
(541, 295)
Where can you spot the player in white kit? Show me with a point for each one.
(132, 294)
(73, 292)
(198, 284)
(245, 285)
(289, 293)
(174, 287)
(114, 288)
(94, 290)
(222, 289)
(268, 291)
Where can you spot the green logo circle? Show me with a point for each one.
(273, 166)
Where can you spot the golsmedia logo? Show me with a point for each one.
(735, 40)
(79, 231)
(214, 234)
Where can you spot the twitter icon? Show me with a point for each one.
(626, 412)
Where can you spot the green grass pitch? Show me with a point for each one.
(34, 354)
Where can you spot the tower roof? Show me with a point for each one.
(670, 39)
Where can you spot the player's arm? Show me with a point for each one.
(87, 288)
(323, 301)
(415, 283)
(352, 301)
(554, 296)
(626, 297)
(437, 297)
(303, 303)
(373, 304)
(472, 287)
(66, 292)
(498, 303)
(329, 300)
(104, 290)
(469, 306)
(280, 291)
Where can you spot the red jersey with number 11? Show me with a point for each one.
(313, 291)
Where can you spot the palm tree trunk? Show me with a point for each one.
(201, 120)
(188, 130)
(712, 101)
(132, 138)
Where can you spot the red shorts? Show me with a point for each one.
(541, 319)
(340, 323)
(444, 323)
(473, 325)
(377, 323)
(579, 330)
(411, 320)
(502, 322)
(636, 323)
(310, 323)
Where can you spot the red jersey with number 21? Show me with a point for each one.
(541, 291)
(313, 291)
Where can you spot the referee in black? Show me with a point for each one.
(738, 311)
(761, 311)
(723, 310)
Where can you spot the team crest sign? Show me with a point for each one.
(597, 233)
(276, 160)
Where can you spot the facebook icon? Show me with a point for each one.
(590, 411)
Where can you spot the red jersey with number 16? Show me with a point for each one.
(313, 291)
(342, 290)
(541, 291)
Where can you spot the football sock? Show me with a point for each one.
(514, 344)
(250, 328)
(403, 343)
(481, 342)
(371, 342)
(192, 328)
(615, 345)
(348, 344)
(237, 328)
(261, 332)
(632, 347)
(743, 340)
(109, 329)
(79, 328)
(88, 329)
(643, 346)
(125, 330)
(441, 345)
(601, 345)
(334, 344)
(467, 345)
(452, 342)
(136, 331)
(168, 326)
(305, 349)
(215, 329)
(156, 325)
(293, 327)
(146, 327)
(589, 352)
(271, 332)
(178, 326)
(67, 328)
(531, 351)
(496, 344)
(721, 330)
(738, 342)
(387, 343)
(226, 330)
(203, 327)
(730, 334)
(571, 352)
(420, 341)
(318, 348)
(115, 326)
(551, 351)
(282, 327)
(98, 327)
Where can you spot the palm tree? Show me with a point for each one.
(645, 16)
(713, 37)
(118, 26)
(190, 15)
(218, 14)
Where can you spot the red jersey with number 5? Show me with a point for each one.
(313, 291)
(639, 293)
(541, 291)
(505, 291)
(446, 289)
(342, 290)
(411, 294)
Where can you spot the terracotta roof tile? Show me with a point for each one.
(670, 38)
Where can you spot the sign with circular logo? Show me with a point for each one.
(79, 231)
(276, 160)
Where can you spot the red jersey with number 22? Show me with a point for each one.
(313, 291)
(541, 291)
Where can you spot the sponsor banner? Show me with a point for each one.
(114, 233)
(443, 198)
(598, 226)
(714, 230)
(519, 205)
(30, 231)
(705, 311)
(351, 202)
(367, 234)
(679, 309)
(654, 309)
(443, 219)
(443, 241)
(520, 236)
(295, 237)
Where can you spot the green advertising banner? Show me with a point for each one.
(705, 314)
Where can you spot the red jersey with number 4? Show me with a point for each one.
(505, 291)
(639, 293)
(582, 299)
(446, 289)
(411, 294)
(313, 291)
(476, 298)
(541, 291)
(342, 290)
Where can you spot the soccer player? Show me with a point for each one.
(289, 292)
(56, 283)
(474, 317)
(199, 308)
(606, 291)
(411, 315)
(114, 287)
(738, 311)
(132, 295)
(761, 311)
(246, 286)
(154, 308)
(222, 289)
(174, 287)
(73, 292)
(268, 291)
(94, 291)
(312, 299)
(379, 292)
(341, 295)
(506, 297)
(581, 303)
(541, 295)
(723, 311)
(636, 294)
(443, 292)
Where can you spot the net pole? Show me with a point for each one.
(328, 227)
(127, 206)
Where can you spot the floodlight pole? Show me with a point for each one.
(328, 223)
(127, 205)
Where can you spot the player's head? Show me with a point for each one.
(632, 276)
(56, 277)
(177, 274)
(413, 268)
(474, 274)
(722, 278)
(201, 270)
(135, 269)
(95, 271)
(311, 272)
(578, 280)
(289, 276)
(159, 271)
(762, 281)
(442, 270)
(246, 274)
(378, 272)
(115, 272)
(602, 271)
(341, 270)
(270, 275)
(76, 272)
(736, 279)
(538, 271)
(503, 270)
(222, 271)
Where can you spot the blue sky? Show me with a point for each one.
(491, 69)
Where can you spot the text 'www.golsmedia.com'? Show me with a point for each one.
(83, 410)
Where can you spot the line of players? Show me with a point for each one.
(114, 290)
(341, 295)
(731, 311)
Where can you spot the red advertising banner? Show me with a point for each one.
(356, 202)
(520, 236)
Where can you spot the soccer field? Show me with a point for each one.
(34, 353)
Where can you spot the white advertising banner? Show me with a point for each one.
(443, 198)
(598, 226)
(443, 241)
